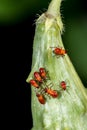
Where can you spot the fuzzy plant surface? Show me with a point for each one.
(59, 98)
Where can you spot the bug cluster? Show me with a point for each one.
(42, 88)
(41, 79)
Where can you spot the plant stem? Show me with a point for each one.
(69, 110)
(54, 8)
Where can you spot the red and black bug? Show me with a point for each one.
(43, 73)
(34, 83)
(37, 76)
(51, 92)
(63, 85)
(41, 98)
(59, 51)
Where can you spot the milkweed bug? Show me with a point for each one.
(63, 85)
(42, 73)
(51, 92)
(59, 51)
(34, 83)
(37, 76)
(41, 98)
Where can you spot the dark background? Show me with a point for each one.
(17, 27)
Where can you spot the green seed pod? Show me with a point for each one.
(68, 111)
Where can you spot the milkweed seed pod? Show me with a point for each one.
(69, 111)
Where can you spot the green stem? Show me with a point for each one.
(69, 110)
(54, 8)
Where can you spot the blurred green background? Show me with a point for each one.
(17, 28)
